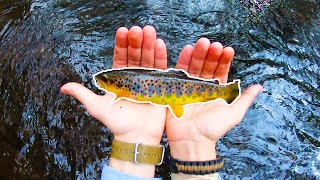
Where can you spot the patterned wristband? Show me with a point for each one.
(196, 167)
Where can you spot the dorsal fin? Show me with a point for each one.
(178, 72)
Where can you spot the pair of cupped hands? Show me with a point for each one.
(202, 124)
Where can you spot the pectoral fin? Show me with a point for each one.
(121, 94)
(177, 110)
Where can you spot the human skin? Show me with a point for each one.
(135, 122)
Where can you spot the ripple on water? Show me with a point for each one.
(46, 44)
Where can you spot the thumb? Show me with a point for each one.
(90, 100)
(78, 91)
(246, 99)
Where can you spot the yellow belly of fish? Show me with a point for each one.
(176, 103)
(174, 99)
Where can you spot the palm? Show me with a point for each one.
(202, 121)
(125, 117)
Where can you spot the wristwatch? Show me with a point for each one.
(138, 153)
(196, 167)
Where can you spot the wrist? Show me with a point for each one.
(193, 151)
(149, 140)
(131, 168)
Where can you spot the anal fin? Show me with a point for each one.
(177, 110)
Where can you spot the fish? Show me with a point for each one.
(172, 88)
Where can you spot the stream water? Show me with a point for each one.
(44, 44)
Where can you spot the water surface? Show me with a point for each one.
(46, 44)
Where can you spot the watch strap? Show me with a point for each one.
(196, 167)
(137, 152)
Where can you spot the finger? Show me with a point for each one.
(246, 99)
(185, 58)
(135, 38)
(198, 56)
(120, 53)
(223, 67)
(94, 104)
(212, 59)
(148, 45)
(160, 61)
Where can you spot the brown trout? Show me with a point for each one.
(173, 88)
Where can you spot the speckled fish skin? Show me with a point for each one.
(172, 87)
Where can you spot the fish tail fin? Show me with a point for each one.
(177, 110)
(231, 91)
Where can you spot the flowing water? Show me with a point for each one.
(44, 44)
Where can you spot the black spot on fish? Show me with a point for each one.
(189, 91)
(210, 91)
(111, 81)
(178, 90)
(168, 90)
(119, 85)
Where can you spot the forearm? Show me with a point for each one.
(180, 176)
(130, 168)
(109, 173)
(193, 151)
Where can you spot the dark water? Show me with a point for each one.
(46, 44)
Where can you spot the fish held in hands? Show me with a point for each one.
(172, 87)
